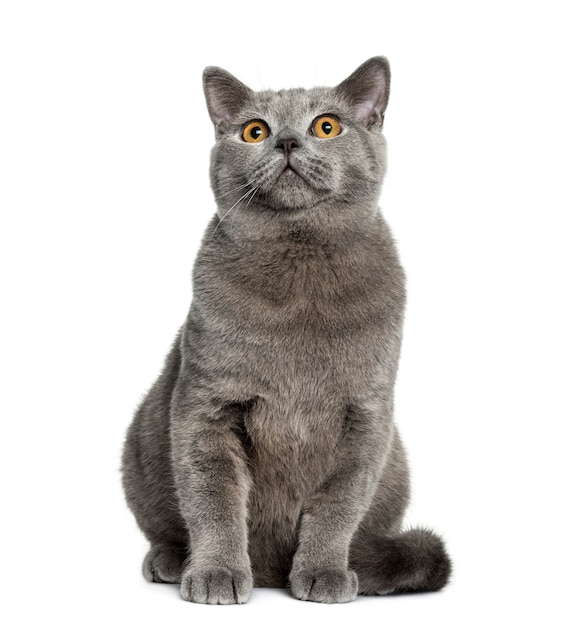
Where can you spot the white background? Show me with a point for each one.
(104, 143)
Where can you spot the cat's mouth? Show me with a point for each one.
(289, 170)
(294, 183)
(292, 178)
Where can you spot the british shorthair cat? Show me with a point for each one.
(266, 453)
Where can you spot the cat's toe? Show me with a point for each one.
(324, 585)
(163, 564)
(217, 585)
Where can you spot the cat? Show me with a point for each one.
(266, 452)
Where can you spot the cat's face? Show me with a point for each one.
(298, 150)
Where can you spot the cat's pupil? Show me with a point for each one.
(326, 127)
(256, 132)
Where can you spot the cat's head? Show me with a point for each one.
(296, 154)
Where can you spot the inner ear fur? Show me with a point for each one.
(225, 95)
(367, 90)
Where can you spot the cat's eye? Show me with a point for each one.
(326, 126)
(255, 132)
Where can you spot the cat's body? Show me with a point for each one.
(267, 449)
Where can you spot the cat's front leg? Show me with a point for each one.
(212, 482)
(331, 515)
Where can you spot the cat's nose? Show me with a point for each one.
(287, 145)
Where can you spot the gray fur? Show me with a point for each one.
(266, 452)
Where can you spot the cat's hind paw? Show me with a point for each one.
(163, 564)
(324, 585)
(216, 585)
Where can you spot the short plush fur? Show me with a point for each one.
(266, 453)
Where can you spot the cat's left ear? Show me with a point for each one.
(367, 91)
(225, 95)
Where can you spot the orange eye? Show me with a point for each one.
(326, 126)
(255, 132)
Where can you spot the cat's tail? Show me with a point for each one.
(414, 560)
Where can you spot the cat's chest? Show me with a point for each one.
(284, 430)
(301, 280)
(298, 286)
(304, 320)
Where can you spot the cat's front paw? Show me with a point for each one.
(216, 585)
(324, 585)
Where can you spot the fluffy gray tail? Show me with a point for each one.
(414, 560)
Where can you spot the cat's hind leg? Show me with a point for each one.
(147, 477)
(163, 563)
(413, 560)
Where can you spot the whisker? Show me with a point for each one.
(250, 191)
(247, 204)
(233, 189)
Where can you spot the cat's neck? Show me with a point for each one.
(320, 226)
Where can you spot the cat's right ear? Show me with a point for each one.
(225, 96)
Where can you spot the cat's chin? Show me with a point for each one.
(289, 202)
(290, 191)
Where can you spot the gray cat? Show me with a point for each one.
(266, 453)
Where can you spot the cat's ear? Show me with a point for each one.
(225, 95)
(367, 91)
